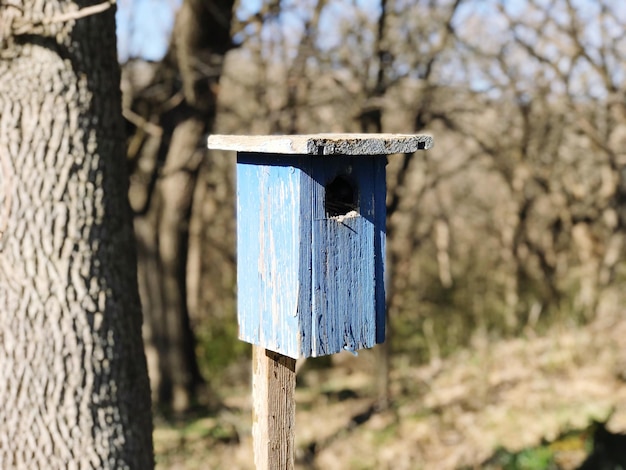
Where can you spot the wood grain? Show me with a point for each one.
(344, 259)
(323, 144)
(274, 253)
(274, 409)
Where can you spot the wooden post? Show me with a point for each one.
(274, 409)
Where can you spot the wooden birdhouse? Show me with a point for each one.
(311, 239)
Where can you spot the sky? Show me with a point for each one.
(143, 27)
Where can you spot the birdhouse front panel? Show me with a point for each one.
(348, 247)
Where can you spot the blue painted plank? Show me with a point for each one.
(345, 304)
(272, 267)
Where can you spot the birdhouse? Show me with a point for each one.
(311, 239)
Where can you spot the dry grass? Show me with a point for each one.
(510, 394)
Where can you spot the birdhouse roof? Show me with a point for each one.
(323, 144)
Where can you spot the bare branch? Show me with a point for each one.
(20, 27)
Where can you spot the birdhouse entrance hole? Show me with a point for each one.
(341, 197)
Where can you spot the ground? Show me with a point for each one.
(460, 412)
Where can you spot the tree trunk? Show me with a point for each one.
(189, 74)
(73, 382)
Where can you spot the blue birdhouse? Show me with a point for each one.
(311, 239)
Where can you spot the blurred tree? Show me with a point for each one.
(172, 114)
(588, 76)
(515, 217)
(74, 383)
(557, 148)
(433, 30)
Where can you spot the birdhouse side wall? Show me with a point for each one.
(273, 250)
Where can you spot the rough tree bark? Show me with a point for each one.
(73, 382)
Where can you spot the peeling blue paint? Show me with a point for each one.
(310, 284)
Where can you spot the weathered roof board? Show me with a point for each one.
(323, 144)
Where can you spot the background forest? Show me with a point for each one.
(505, 242)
